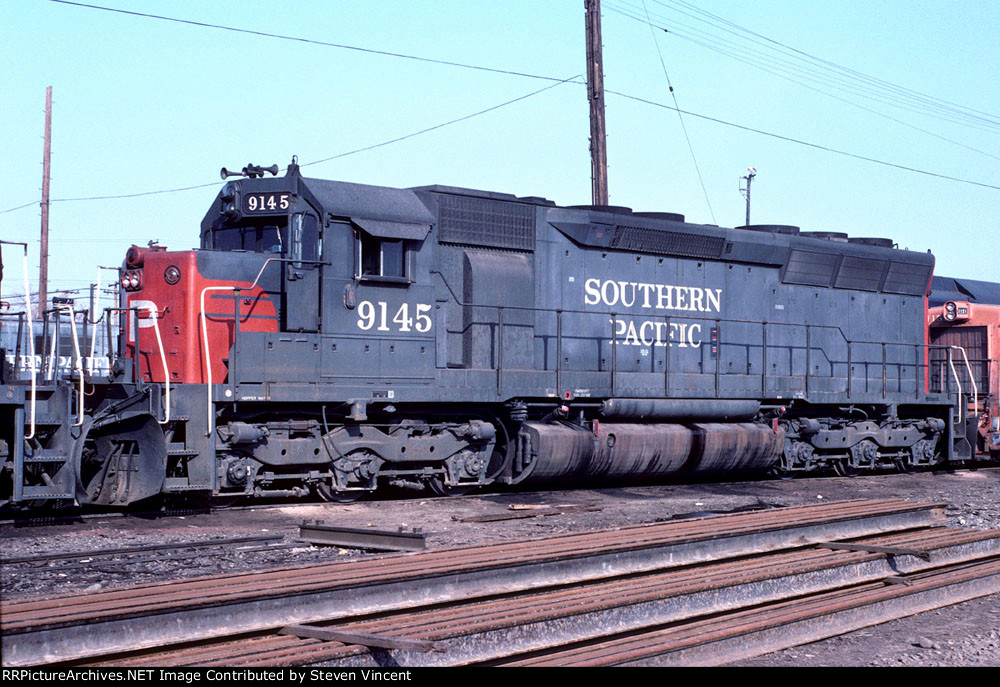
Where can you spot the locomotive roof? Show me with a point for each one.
(945, 289)
(500, 220)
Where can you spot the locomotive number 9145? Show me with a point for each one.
(370, 314)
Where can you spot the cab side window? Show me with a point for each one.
(382, 258)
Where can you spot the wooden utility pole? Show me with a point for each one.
(43, 271)
(595, 94)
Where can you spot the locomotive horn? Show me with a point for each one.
(273, 169)
(255, 171)
(251, 170)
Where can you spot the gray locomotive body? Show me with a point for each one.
(336, 337)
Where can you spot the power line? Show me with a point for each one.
(931, 101)
(444, 124)
(783, 74)
(807, 143)
(558, 82)
(310, 41)
(19, 207)
(670, 87)
(785, 69)
(627, 96)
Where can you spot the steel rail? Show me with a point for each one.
(745, 634)
(712, 536)
(47, 630)
(476, 631)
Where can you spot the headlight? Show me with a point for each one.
(949, 311)
(172, 274)
(134, 279)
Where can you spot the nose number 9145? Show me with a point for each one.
(372, 314)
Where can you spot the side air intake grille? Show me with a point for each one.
(809, 268)
(907, 278)
(860, 273)
(489, 223)
(667, 242)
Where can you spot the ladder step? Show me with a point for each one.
(46, 455)
(44, 493)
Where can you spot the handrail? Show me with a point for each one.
(155, 316)
(94, 322)
(972, 379)
(808, 327)
(613, 313)
(31, 344)
(50, 366)
(79, 359)
(203, 320)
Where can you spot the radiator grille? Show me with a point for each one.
(489, 223)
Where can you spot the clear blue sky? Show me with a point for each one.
(145, 105)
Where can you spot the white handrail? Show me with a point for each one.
(155, 316)
(79, 360)
(50, 366)
(93, 321)
(972, 379)
(204, 335)
(31, 344)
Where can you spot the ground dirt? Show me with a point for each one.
(966, 634)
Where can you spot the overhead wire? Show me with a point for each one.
(784, 74)
(816, 146)
(833, 69)
(670, 87)
(444, 124)
(311, 41)
(791, 64)
(557, 80)
(995, 118)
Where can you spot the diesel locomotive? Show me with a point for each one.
(332, 338)
(966, 313)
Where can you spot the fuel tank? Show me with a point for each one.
(562, 451)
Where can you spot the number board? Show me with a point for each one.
(267, 203)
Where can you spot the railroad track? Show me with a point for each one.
(532, 600)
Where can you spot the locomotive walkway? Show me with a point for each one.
(487, 604)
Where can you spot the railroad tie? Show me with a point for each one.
(872, 548)
(360, 638)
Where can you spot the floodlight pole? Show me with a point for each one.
(751, 173)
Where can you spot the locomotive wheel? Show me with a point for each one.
(326, 492)
(844, 468)
(903, 466)
(437, 485)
